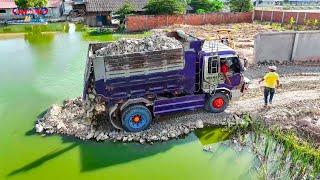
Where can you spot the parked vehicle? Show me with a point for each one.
(140, 86)
(115, 19)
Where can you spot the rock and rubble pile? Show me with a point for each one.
(69, 118)
(153, 43)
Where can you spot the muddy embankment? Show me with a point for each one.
(296, 107)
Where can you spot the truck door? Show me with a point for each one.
(211, 76)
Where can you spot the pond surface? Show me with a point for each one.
(40, 69)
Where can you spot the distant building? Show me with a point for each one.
(303, 2)
(281, 2)
(98, 12)
(268, 2)
(55, 9)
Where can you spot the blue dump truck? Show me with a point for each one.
(137, 87)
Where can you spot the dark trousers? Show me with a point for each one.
(268, 92)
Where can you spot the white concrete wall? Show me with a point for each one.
(287, 46)
(307, 46)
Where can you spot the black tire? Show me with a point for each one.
(217, 103)
(139, 112)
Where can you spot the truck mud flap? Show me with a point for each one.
(114, 120)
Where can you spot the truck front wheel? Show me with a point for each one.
(136, 118)
(217, 103)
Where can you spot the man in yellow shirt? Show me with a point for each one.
(271, 81)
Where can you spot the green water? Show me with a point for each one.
(38, 70)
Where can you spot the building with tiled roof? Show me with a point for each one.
(112, 6)
(98, 11)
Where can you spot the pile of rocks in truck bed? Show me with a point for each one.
(153, 43)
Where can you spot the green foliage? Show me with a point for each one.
(37, 37)
(124, 11)
(240, 5)
(277, 27)
(206, 6)
(201, 11)
(166, 7)
(21, 3)
(291, 23)
(311, 24)
(98, 31)
(315, 23)
(307, 22)
(31, 3)
(302, 151)
(37, 3)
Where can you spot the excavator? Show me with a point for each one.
(225, 36)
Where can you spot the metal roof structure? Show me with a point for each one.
(214, 46)
(112, 5)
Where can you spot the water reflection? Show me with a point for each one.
(97, 155)
(36, 36)
(210, 135)
(42, 160)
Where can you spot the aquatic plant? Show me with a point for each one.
(296, 157)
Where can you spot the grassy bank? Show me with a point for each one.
(25, 28)
(105, 35)
(301, 152)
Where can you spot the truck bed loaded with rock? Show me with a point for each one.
(138, 80)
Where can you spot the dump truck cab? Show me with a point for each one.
(213, 56)
(139, 86)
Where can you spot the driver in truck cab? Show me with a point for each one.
(224, 69)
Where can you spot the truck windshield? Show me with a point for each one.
(234, 64)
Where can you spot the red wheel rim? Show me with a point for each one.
(218, 103)
(136, 118)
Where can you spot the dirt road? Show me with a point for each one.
(243, 34)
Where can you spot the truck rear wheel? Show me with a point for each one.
(136, 118)
(217, 103)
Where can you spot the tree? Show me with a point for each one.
(206, 6)
(240, 5)
(201, 11)
(166, 7)
(125, 10)
(23, 4)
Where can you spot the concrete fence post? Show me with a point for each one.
(237, 15)
(294, 46)
(203, 18)
(282, 19)
(297, 19)
(271, 19)
(305, 17)
(261, 17)
(253, 14)
(167, 20)
(145, 22)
